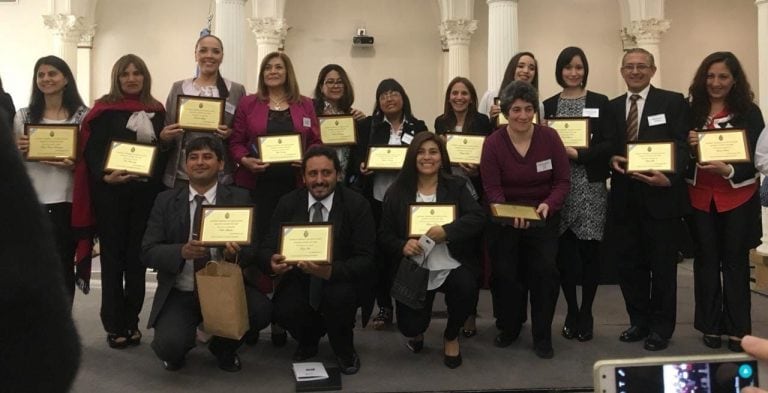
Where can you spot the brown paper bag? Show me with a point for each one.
(222, 300)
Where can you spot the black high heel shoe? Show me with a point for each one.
(415, 344)
(451, 361)
(117, 341)
(134, 337)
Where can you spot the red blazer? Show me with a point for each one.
(251, 121)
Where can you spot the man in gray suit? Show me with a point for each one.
(170, 245)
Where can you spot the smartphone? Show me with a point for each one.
(724, 373)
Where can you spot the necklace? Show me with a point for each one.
(277, 103)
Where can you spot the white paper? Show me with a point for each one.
(309, 371)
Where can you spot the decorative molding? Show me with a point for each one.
(489, 2)
(627, 40)
(649, 30)
(86, 37)
(458, 31)
(66, 26)
(269, 29)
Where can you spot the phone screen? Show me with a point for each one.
(716, 377)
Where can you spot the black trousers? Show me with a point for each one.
(460, 289)
(646, 256)
(60, 217)
(517, 256)
(579, 263)
(176, 325)
(723, 248)
(121, 218)
(335, 316)
(386, 269)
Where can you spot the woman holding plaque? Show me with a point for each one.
(521, 67)
(525, 164)
(121, 200)
(334, 95)
(724, 197)
(276, 108)
(453, 263)
(54, 100)
(582, 218)
(392, 123)
(209, 54)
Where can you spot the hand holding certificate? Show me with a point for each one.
(424, 216)
(651, 156)
(220, 225)
(131, 157)
(464, 148)
(574, 132)
(199, 113)
(280, 148)
(726, 145)
(386, 157)
(338, 130)
(51, 142)
(306, 243)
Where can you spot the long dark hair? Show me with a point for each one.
(220, 84)
(388, 85)
(406, 184)
(115, 91)
(70, 99)
(346, 101)
(509, 72)
(449, 116)
(740, 97)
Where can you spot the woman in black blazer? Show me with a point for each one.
(452, 262)
(392, 123)
(583, 215)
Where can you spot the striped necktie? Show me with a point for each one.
(632, 123)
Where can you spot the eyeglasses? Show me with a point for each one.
(632, 67)
(333, 82)
(389, 94)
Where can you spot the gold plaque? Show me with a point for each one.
(511, 210)
(280, 148)
(51, 142)
(199, 113)
(338, 130)
(650, 156)
(726, 145)
(307, 242)
(426, 215)
(573, 131)
(222, 224)
(386, 157)
(133, 157)
(464, 148)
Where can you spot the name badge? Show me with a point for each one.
(307, 122)
(545, 165)
(591, 112)
(229, 108)
(657, 119)
(406, 138)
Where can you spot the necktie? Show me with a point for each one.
(199, 199)
(316, 283)
(632, 123)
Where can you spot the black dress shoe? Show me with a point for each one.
(633, 334)
(584, 336)
(279, 339)
(712, 341)
(452, 361)
(505, 339)
(229, 363)
(568, 333)
(349, 366)
(304, 352)
(469, 332)
(117, 341)
(735, 345)
(415, 345)
(172, 366)
(654, 342)
(544, 350)
(134, 337)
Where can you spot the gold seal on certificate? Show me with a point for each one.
(51, 142)
(280, 148)
(386, 157)
(426, 215)
(338, 130)
(464, 148)
(306, 242)
(573, 131)
(132, 157)
(199, 113)
(651, 156)
(222, 224)
(510, 210)
(726, 145)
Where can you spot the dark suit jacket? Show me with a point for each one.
(168, 231)
(659, 202)
(595, 158)
(479, 125)
(461, 235)
(354, 239)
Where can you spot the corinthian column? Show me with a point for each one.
(66, 30)
(458, 33)
(502, 38)
(84, 48)
(229, 25)
(647, 33)
(270, 34)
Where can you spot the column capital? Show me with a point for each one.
(66, 26)
(269, 29)
(458, 31)
(627, 39)
(86, 37)
(649, 30)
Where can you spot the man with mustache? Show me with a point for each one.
(314, 299)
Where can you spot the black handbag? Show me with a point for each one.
(410, 284)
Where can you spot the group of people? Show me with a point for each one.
(151, 221)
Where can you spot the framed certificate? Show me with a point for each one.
(281, 148)
(338, 130)
(386, 157)
(651, 156)
(508, 211)
(464, 148)
(726, 145)
(132, 157)
(51, 142)
(423, 216)
(309, 242)
(222, 224)
(199, 113)
(573, 131)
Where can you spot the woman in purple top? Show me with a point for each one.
(525, 163)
